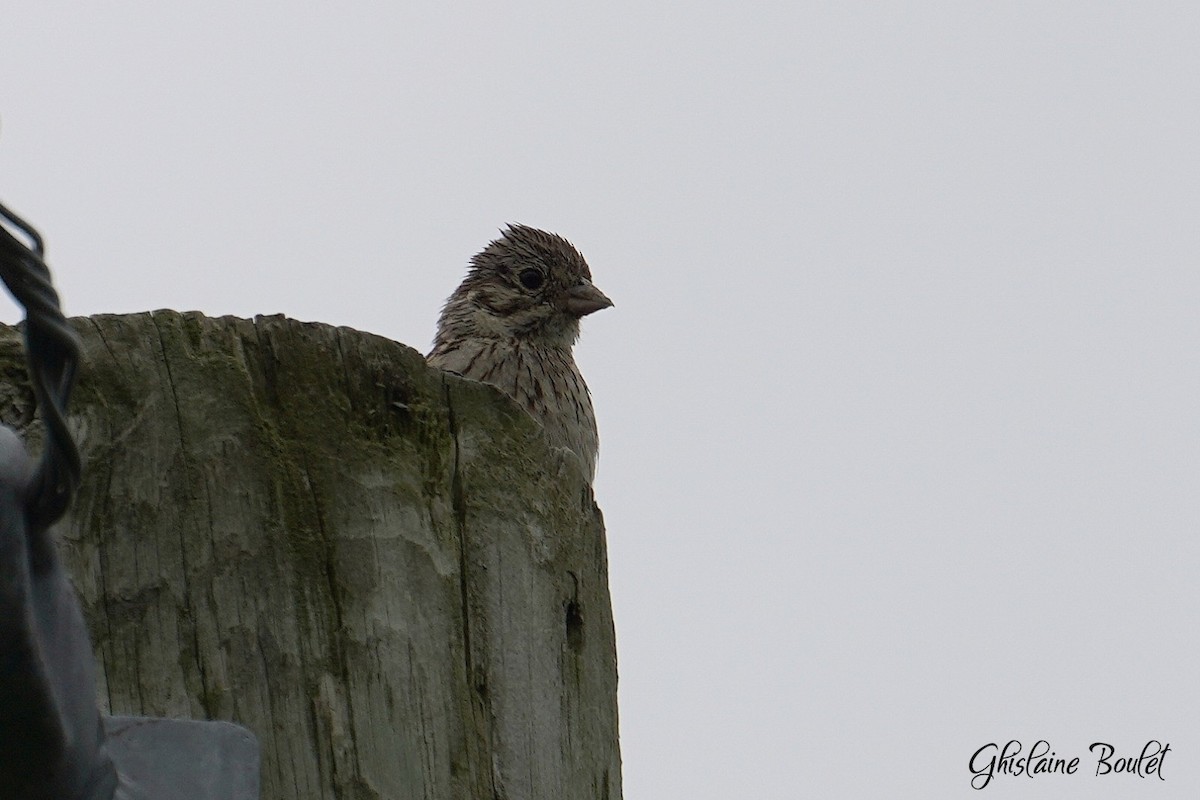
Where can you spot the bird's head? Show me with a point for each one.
(528, 284)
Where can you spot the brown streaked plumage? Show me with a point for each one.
(512, 323)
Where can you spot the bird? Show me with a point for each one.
(513, 322)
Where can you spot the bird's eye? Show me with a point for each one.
(531, 279)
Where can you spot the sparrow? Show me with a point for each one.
(513, 322)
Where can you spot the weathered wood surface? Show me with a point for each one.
(381, 570)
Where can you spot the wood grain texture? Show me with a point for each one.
(380, 569)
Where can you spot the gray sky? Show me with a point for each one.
(898, 402)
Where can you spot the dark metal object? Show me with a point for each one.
(53, 741)
(53, 353)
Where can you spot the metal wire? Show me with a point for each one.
(53, 352)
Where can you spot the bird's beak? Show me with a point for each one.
(583, 299)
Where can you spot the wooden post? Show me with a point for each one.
(381, 570)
